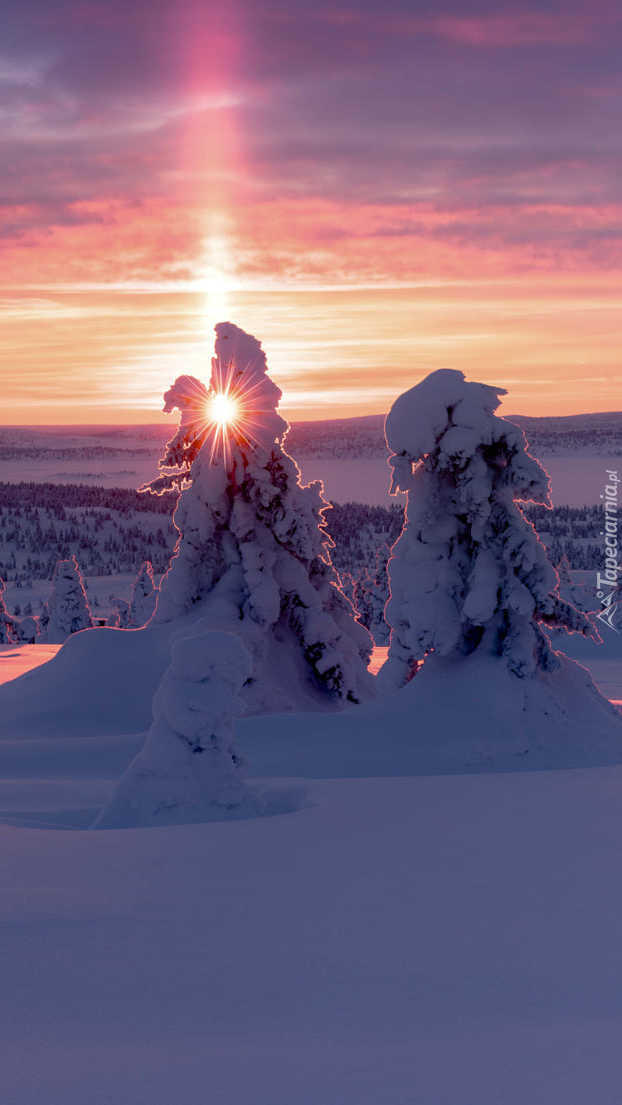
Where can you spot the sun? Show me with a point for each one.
(223, 409)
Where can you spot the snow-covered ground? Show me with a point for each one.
(443, 941)
(606, 672)
(15, 660)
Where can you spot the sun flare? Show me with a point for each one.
(223, 409)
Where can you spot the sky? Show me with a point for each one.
(375, 190)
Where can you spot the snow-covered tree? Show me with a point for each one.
(144, 597)
(188, 769)
(120, 613)
(253, 553)
(469, 571)
(8, 634)
(26, 630)
(67, 609)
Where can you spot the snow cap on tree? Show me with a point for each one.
(239, 376)
(67, 609)
(468, 571)
(253, 551)
(189, 770)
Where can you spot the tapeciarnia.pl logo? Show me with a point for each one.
(607, 581)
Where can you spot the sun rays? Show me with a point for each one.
(223, 409)
(233, 409)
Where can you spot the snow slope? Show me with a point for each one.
(102, 681)
(453, 717)
(431, 941)
(16, 660)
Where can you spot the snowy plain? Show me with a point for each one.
(404, 941)
(353, 467)
(575, 480)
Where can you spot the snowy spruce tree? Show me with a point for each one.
(469, 573)
(188, 770)
(120, 613)
(8, 632)
(253, 552)
(26, 630)
(67, 609)
(144, 597)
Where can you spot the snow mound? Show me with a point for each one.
(100, 682)
(455, 716)
(188, 770)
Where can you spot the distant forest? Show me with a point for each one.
(112, 530)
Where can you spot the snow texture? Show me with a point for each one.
(188, 770)
(468, 571)
(67, 609)
(398, 940)
(443, 941)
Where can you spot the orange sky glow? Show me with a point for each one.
(168, 171)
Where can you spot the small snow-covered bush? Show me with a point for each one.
(188, 769)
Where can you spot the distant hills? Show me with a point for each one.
(339, 438)
(597, 434)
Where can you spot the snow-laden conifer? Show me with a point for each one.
(144, 597)
(253, 553)
(468, 572)
(26, 629)
(188, 769)
(371, 592)
(67, 609)
(8, 633)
